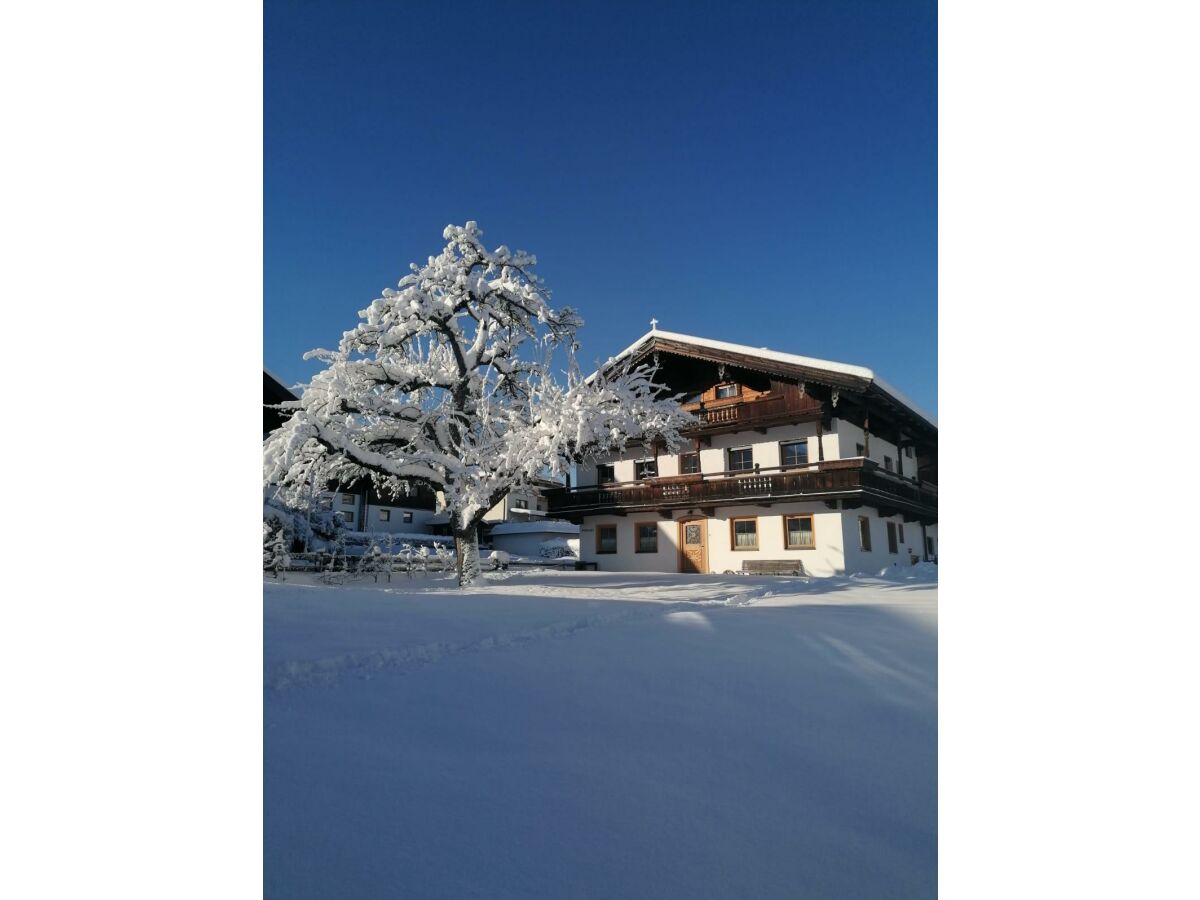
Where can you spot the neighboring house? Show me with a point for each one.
(363, 508)
(522, 504)
(274, 392)
(791, 458)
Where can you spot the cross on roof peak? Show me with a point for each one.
(654, 324)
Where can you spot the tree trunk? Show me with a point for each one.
(467, 547)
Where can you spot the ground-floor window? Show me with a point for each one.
(744, 534)
(864, 533)
(929, 547)
(798, 532)
(647, 537)
(606, 538)
(407, 518)
(893, 545)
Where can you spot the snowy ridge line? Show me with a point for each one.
(364, 664)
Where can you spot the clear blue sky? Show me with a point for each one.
(763, 172)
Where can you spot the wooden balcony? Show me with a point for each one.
(776, 408)
(854, 481)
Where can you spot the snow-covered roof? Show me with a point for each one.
(527, 527)
(777, 356)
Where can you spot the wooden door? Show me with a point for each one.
(693, 548)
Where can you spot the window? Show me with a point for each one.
(348, 515)
(794, 453)
(798, 533)
(864, 533)
(859, 450)
(520, 504)
(887, 463)
(647, 537)
(741, 460)
(347, 499)
(893, 547)
(744, 533)
(725, 391)
(385, 515)
(326, 503)
(900, 531)
(929, 547)
(408, 518)
(908, 451)
(689, 464)
(647, 468)
(606, 538)
(605, 474)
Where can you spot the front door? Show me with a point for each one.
(693, 555)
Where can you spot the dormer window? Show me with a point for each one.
(726, 391)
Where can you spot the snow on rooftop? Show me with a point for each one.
(778, 356)
(527, 527)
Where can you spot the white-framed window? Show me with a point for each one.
(740, 459)
(793, 453)
(385, 515)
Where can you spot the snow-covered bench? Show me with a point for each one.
(772, 567)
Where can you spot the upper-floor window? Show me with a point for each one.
(385, 515)
(348, 515)
(725, 391)
(793, 453)
(605, 474)
(520, 504)
(741, 459)
(689, 463)
(347, 499)
(647, 468)
(887, 463)
(908, 451)
(860, 450)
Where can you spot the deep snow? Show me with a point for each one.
(580, 734)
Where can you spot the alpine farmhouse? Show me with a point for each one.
(794, 464)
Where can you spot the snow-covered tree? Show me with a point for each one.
(451, 380)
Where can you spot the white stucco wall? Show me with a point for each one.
(825, 559)
(872, 562)
(371, 521)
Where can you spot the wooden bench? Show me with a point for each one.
(773, 567)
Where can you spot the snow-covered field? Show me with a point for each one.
(581, 734)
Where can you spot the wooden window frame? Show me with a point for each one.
(637, 536)
(864, 546)
(682, 457)
(812, 529)
(601, 552)
(611, 468)
(733, 545)
(385, 515)
(644, 462)
(729, 459)
(892, 538)
(737, 390)
(803, 442)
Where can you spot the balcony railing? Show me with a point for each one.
(853, 478)
(752, 413)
